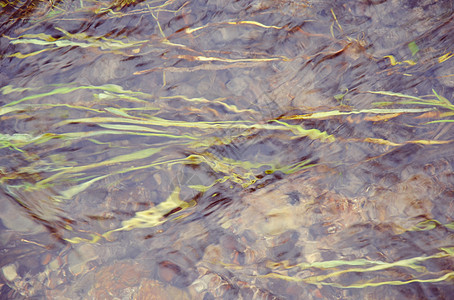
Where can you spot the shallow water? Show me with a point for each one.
(213, 150)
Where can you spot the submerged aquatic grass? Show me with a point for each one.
(108, 120)
(437, 102)
(333, 275)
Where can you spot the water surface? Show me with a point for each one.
(213, 150)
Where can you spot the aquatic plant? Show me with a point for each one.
(437, 102)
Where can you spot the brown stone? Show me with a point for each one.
(155, 290)
(117, 280)
(168, 270)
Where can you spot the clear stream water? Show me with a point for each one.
(226, 150)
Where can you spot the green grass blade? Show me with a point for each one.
(141, 154)
(387, 93)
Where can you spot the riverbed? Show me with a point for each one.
(226, 150)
